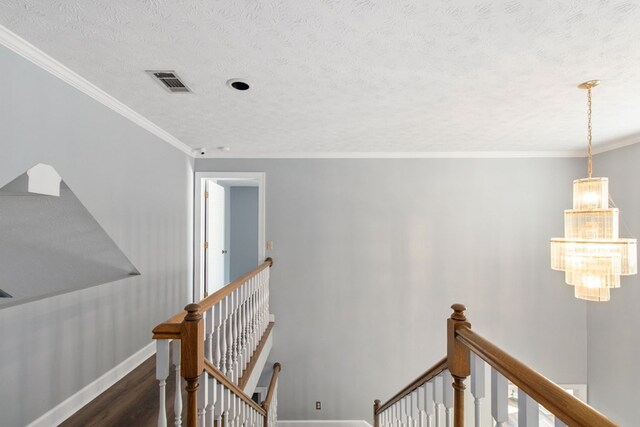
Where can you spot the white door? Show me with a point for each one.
(214, 235)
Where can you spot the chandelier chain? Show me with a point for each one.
(589, 137)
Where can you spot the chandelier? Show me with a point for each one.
(591, 254)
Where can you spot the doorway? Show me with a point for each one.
(229, 228)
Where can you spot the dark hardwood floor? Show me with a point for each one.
(132, 401)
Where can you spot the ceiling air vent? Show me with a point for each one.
(169, 80)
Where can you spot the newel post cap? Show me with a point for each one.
(193, 312)
(458, 312)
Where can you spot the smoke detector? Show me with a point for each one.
(169, 80)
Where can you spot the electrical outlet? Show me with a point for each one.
(318, 405)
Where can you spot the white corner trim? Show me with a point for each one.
(398, 155)
(92, 390)
(344, 423)
(28, 51)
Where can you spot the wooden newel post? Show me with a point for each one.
(457, 361)
(192, 358)
(376, 417)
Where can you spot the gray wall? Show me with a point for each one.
(370, 254)
(139, 189)
(614, 341)
(243, 248)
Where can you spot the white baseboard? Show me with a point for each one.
(322, 423)
(92, 390)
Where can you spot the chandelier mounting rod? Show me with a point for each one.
(588, 85)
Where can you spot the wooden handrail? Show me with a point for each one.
(272, 386)
(569, 409)
(222, 379)
(170, 328)
(428, 375)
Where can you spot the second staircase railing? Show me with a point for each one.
(437, 397)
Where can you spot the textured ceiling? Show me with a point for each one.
(359, 75)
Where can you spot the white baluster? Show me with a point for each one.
(223, 334)
(447, 396)
(246, 344)
(407, 409)
(234, 411)
(246, 354)
(415, 410)
(275, 406)
(249, 320)
(177, 401)
(208, 354)
(477, 384)
(203, 394)
(236, 336)
(240, 329)
(528, 411)
(256, 312)
(208, 334)
(217, 320)
(420, 405)
(212, 401)
(162, 372)
(438, 398)
(499, 398)
(230, 340)
(233, 346)
(394, 414)
(227, 400)
(263, 306)
(267, 273)
(250, 342)
(429, 403)
(219, 406)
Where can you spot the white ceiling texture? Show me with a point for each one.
(339, 77)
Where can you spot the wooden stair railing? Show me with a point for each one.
(270, 404)
(213, 342)
(422, 401)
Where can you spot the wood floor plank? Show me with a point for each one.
(132, 401)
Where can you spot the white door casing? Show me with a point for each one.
(201, 178)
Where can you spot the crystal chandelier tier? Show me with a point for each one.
(591, 253)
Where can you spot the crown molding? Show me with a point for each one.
(28, 51)
(614, 145)
(396, 155)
